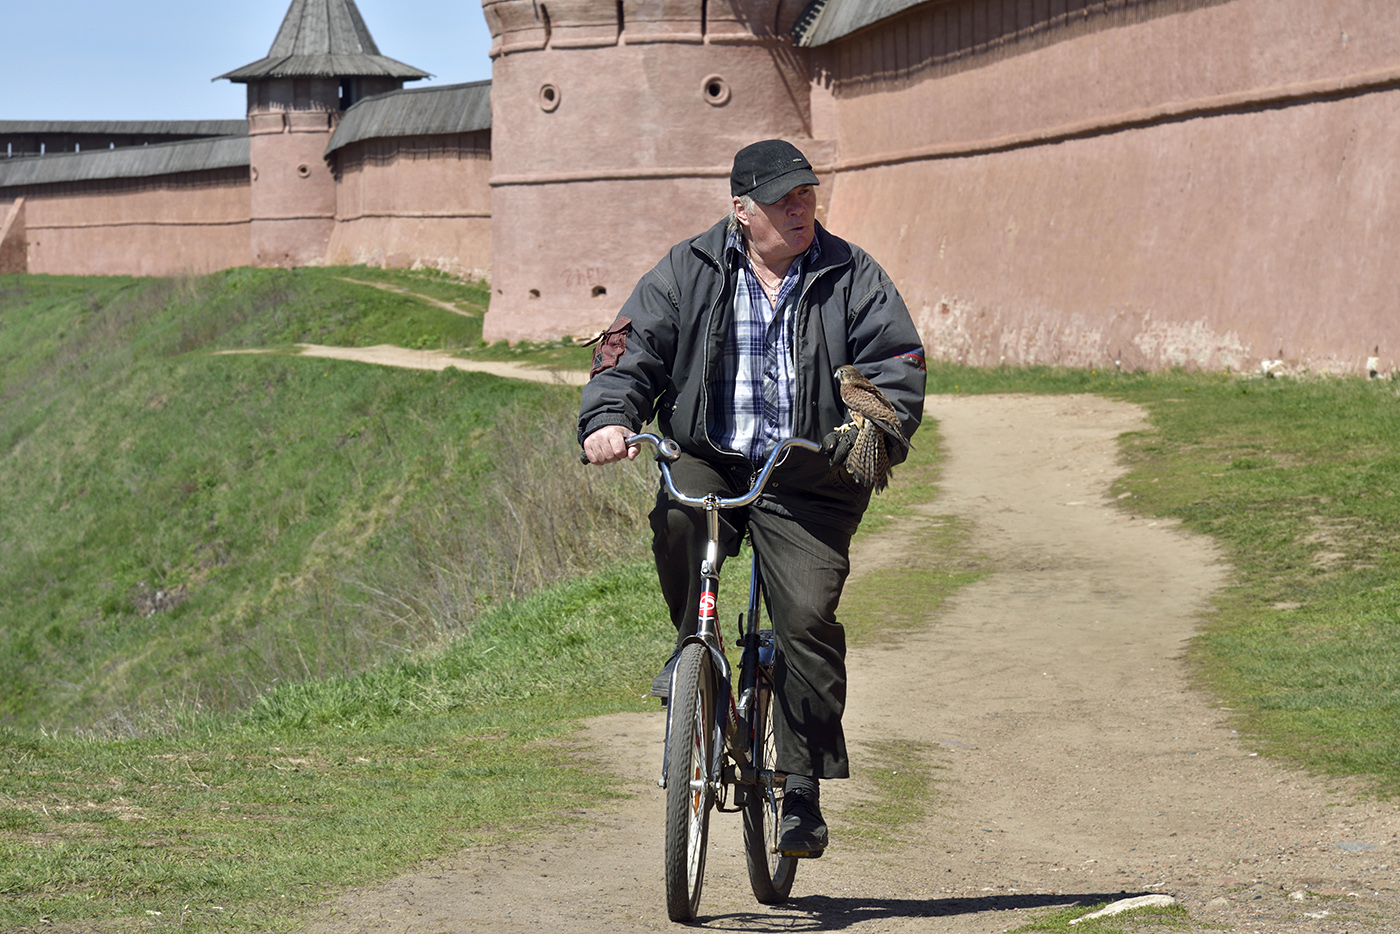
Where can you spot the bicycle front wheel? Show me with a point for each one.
(770, 873)
(689, 781)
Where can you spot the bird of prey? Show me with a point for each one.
(875, 422)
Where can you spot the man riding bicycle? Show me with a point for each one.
(730, 343)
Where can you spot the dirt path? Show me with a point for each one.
(386, 287)
(1073, 763)
(390, 355)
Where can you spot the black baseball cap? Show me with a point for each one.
(767, 170)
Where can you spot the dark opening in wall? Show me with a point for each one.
(715, 90)
(534, 293)
(599, 290)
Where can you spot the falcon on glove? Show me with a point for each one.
(875, 422)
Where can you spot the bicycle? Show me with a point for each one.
(716, 742)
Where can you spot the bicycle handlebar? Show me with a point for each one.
(668, 450)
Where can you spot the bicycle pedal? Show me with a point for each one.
(802, 854)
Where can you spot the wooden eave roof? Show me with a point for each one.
(452, 108)
(124, 127)
(194, 155)
(824, 21)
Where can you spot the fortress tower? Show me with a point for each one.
(322, 61)
(614, 124)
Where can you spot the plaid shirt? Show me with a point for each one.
(752, 398)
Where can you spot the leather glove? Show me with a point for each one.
(837, 444)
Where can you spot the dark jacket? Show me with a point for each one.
(661, 356)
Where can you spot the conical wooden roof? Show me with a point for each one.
(324, 39)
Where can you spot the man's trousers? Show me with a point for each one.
(804, 565)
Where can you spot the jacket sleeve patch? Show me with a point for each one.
(915, 359)
(612, 344)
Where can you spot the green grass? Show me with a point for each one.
(1296, 481)
(1151, 920)
(464, 338)
(364, 657)
(931, 564)
(240, 486)
(900, 778)
(246, 823)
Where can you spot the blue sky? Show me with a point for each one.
(153, 59)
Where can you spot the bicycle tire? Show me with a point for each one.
(689, 783)
(770, 873)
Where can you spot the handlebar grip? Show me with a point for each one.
(666, 449)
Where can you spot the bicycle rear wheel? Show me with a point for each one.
(689, 782)
(770, 873)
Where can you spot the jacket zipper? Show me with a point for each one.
(705, 362)
(799, 333)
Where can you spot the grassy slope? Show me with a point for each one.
(450, 743)
(232, 494)
(313, 520)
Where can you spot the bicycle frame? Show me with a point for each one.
(734, 721)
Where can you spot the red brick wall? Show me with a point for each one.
(1177, 183)
(415, 202)
(172, 225)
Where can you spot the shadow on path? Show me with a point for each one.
(822, 913)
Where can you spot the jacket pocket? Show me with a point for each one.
(612, 344)
(841, 483)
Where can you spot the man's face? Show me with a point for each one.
(782, 230)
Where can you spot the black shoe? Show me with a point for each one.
(801, 831)
(661, 684)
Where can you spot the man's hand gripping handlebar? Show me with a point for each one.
(668, 450)
(607, 445)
